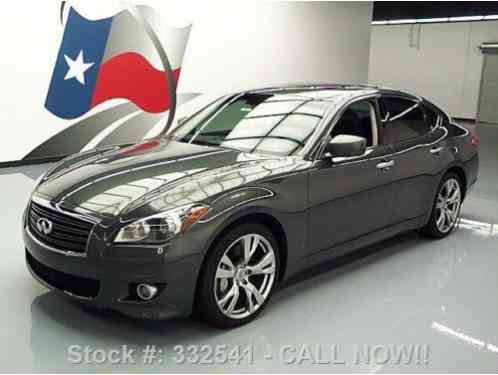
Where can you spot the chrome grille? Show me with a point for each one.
(68, 233)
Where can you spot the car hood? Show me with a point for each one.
(159, 174)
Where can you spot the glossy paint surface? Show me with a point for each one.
(324, 208)
(407, 290)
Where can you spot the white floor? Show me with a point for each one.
(439, 298)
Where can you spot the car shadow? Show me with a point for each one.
(357, 258)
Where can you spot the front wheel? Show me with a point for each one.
(446, 207)
(239, 276)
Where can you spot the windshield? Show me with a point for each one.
(277, 124)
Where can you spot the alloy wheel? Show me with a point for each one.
(244, 276)
(448, 205)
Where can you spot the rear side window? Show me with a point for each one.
(405, 120)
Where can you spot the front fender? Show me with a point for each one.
(292, 224)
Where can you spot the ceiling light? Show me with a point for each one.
(466, 18)
(400, 22)
(428, 20)
(379, 22)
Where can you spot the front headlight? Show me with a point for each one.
(159, 228)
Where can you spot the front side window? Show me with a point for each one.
(358, 119)
(261, 123)
(405, 120)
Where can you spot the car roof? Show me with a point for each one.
(329, 92)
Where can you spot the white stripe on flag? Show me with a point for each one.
(127, 35)
(104, 133)
(157, 128)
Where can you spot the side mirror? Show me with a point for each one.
(345, 146)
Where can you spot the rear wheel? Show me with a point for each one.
(446, 207)
(239, 276)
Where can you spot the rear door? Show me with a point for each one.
(420, 153)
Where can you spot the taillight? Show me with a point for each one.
(474, 140)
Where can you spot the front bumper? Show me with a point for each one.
(104, 281)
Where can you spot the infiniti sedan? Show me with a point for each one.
(243, 194)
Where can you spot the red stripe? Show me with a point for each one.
(131, 76)
(141, 147)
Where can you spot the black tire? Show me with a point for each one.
(206, 306)
(431, 229)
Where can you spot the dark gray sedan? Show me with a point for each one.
(247, 192)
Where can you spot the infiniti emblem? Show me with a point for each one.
(44, 225)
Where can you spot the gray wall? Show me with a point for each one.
(446, 66)
(251, 43)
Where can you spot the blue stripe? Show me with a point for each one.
(69, 98)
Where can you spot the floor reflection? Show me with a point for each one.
(465, 338)
(478, 227)
(392, 292)
(58, 323)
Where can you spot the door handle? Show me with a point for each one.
(436, 150)
(385, 165)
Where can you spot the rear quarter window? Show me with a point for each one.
(436, 117)
(454, 130)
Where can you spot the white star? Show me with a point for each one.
(77, 68)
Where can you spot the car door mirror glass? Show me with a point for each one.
(344, 146)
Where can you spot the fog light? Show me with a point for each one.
(146, 292)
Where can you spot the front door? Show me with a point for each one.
(351, 198)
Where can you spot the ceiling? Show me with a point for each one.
(400, 10)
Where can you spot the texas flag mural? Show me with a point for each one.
(110, 58)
